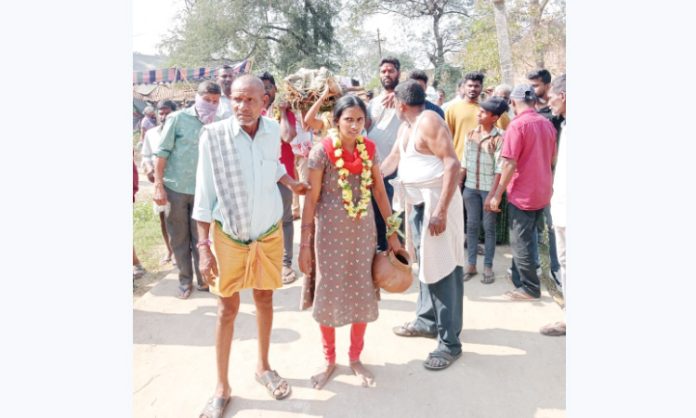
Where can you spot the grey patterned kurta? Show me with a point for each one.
(344, 250)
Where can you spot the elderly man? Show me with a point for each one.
(528, 149)
(428, 174)
(238, 169)
(175, 180)
(557, 103)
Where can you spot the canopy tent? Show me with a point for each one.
(149, 87)
(171, 75)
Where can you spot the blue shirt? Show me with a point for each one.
(435, 108)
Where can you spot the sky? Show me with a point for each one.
(151, 20)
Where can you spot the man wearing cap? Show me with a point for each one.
(528, 151)
(175, 180)
(481, 167)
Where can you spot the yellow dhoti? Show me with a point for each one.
(255, 265)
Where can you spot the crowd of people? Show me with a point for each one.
(228, 172)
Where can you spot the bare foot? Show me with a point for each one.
(319, 380)
(368, 379)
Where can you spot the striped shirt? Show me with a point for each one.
(482, 160)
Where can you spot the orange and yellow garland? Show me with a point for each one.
(354, 211)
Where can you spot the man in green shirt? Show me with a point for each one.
(175, 180)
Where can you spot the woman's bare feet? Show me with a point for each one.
(368, 379)
(320, 379)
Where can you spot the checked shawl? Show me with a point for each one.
(229, 180)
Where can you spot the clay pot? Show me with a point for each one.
(392, 272)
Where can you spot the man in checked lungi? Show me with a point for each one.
(236, 192)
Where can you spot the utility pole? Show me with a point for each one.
(379, 43)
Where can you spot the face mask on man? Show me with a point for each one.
(206, 110)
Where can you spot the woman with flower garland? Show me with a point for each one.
(343, 173)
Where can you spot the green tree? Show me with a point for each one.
(281, 35)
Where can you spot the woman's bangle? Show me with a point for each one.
(305, 245)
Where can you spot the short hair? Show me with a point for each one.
(166, 103)
(391, 60)
(419, 75)
(268, 77)
(347, 102)
(441, 91)
(148, 110)
(502, 88)
(209, 87)
(540, 73)
(558, 85)
(370, 94)
(473, 76)
(410, 93)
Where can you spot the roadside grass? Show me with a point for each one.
(147, 237)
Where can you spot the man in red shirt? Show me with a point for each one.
(528, 149)
(286, 118)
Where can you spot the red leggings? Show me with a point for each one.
(357, 341)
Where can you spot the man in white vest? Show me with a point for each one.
(428, 172)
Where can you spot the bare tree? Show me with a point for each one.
(442, 13)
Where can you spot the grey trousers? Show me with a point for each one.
(524, 227)
(288, 227)
(183, 237)
(440, 305)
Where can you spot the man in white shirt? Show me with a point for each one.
(382, 126)
(152, 140)
(461, 94)
(225, 79)
(557, 103)
(238, 168)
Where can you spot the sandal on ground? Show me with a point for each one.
(488, 278)
(288, 275)
(138, 271)
(203, 288)
(439, 360)
(407, 330)
(165, 260)
(557, 329)
(468, 275)
(214, 408)
(184, 292)
(519, 295)
(273, 383)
